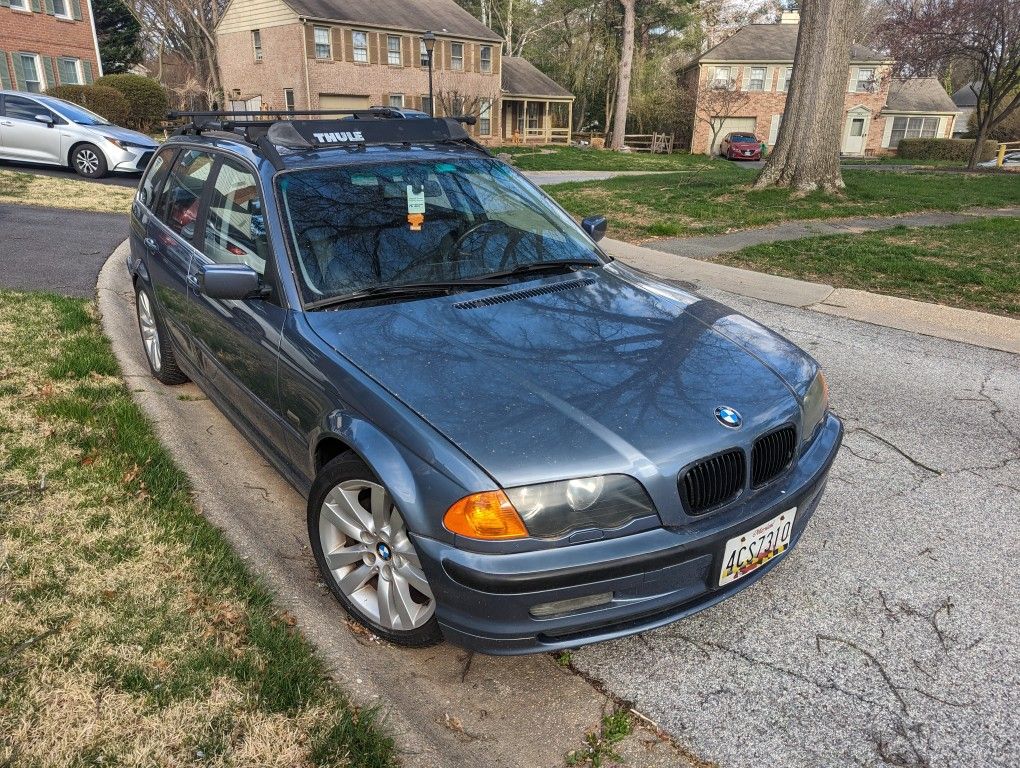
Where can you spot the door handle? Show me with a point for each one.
(193, 281)
(150, 244)
(6, 122)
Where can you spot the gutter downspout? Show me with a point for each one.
(95, 37)
(304, 48)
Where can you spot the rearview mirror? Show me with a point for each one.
(44, 119)
(595, 226)
(228, 281)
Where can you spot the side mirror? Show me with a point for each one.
(228, 281)
(45, 119)
(595, 226)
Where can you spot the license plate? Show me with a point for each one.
(748, 552)
(748, 152)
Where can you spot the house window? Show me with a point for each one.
(397, 100)
(485, 117)
(865, 80)
(288, 99)
(787, 77)
(30, 79)
(722, 77)
(323, 46)
(360, 42)
(757, 79)
(69, 71)
(485, 57)
(19, 5)
(456, 106)
(423, 54)
(913, 128)
(393, 50)
(457, 57)
(60, 9)
(256, 41)
(426, 104)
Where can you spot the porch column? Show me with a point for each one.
(570, 121)
(548, 123)
(524, 123)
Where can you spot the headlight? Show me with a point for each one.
(555, 509)
(816, 403)
(123, 144)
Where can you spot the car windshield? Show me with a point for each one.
(80, 115)
(743, 138)
(361, 227)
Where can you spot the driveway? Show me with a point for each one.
(56, 249)
(114, 179)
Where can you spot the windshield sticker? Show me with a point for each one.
(415, 220)
(415, 198)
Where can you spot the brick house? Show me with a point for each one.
(352, 54)
(44, 43)
(741, 85)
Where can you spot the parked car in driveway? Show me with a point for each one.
(1011, 161)
(35, 128)
(741, 146)
(506, 438)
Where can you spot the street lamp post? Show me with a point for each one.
(430, 44)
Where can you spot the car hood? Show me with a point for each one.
(124, 134)
(599, 371)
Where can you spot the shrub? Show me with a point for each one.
(146, 98)
(101, 99)
(943, 149)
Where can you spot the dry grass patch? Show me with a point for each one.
(130, 633)
(33, 189)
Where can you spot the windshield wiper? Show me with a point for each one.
(544, 266)
(393, 291)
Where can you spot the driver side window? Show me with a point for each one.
(235, 231)
(20, 108)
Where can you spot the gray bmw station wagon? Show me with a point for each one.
(506, 438)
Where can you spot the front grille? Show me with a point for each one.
(772, 453)
(713, 481)
(143, 161)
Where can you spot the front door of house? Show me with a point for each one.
(853, 144)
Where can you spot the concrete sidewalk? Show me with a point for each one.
(964, 325)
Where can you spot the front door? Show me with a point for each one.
(238, 341)
(854, 142)
(22, 137)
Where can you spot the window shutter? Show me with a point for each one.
(5, 3)
(48, 5)
(407, 51)
(853, 79)
(335, 42)
(19, 74)
(745, 84)
(497, 54)
(373, 47)
(5, 72)
(87, 66)
(476, 56)
(770, 78)
(76, 9)
(51, 79)
(36, 6)
(310, 41)
(348, 45)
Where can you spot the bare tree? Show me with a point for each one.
(929, 37)
(623, 78)
(714, 104)
(806, 155)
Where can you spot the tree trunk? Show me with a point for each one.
(806, 155)
(623, 79)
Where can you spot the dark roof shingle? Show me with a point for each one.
(444, 17)
(522, 78)
(919, 94)
(772, 42)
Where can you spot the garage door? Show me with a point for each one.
(342, 101)
(731, 124)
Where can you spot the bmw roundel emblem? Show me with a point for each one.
(728, 417)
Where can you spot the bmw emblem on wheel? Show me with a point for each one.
(727, 416)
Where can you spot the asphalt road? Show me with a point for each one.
(888, 637)
(55, 249)
(115, 179)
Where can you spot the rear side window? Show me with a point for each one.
(23, 109)
(178, 206)
(152, 183)
(235, 230)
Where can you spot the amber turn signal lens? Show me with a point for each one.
(488, 515)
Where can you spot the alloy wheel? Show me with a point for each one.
(87, 161)
(150, 332)
(367, 550)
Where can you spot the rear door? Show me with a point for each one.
(22, 137)
(237, 342)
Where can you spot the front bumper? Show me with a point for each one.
(740, 154)
(656, 577)
(134, 159)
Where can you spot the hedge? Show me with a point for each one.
(943, 149)
(103, 100)
(147, 101)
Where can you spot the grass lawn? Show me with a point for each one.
(33, 189)
(713, 196)
(130, 632)
(974, 265)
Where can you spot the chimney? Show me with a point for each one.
(790, 17)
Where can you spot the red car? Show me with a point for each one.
(741, 146)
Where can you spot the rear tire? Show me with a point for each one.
(89, 161)
(159, 352)
(365, 557)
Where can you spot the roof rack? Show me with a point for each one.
(353, 129)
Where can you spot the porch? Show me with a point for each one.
(536, 121)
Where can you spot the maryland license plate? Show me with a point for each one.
(748, 552)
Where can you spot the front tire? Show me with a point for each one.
(89, 161)
(361, 546)
(158, 351)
